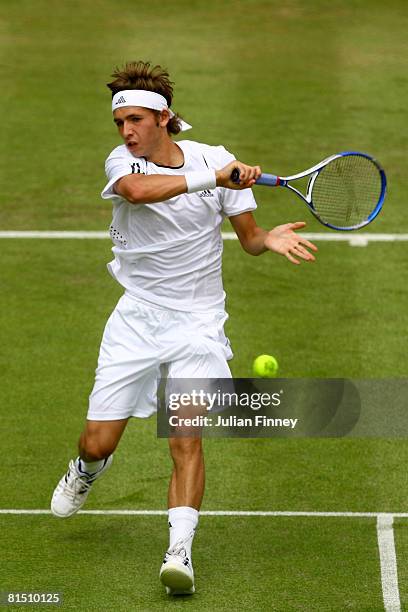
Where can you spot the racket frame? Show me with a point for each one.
(272, 180)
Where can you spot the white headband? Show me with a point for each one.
(147, 99)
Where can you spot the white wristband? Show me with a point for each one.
(198, 181)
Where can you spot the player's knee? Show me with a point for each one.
(183, 448)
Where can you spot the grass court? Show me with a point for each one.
(280, 85)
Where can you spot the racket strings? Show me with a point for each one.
(347, 190)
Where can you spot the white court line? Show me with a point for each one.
(43, 234)
(388, 562)
(361, 239)
(378, 515)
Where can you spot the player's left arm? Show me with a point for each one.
(282, 239)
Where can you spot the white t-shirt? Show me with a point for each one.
(170, 253)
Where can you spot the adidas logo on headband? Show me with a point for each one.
(121, 100)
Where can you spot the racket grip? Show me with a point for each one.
(265, 179)
(270, 180)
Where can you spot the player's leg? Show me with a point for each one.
(186, 492)
(96, 446)
(188, 476)
(124, 386)
(186, 489)
(99, 439)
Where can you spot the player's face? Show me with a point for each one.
(140, 129)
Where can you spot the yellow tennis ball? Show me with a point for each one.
(265, 366)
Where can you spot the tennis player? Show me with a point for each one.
(169, 201)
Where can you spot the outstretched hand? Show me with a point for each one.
(284, 240)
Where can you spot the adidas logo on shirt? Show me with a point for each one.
(121, 100)
(205, 194)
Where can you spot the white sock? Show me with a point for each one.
(89, 468)
(183, 520)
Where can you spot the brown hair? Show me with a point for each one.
(141, 75)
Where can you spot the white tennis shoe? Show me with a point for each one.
(176, 572)
(72, 490)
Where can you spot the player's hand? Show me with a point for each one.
(247, 175)
(283, 240)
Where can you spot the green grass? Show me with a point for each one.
(56, 300)
(282, 85)
(285, 569)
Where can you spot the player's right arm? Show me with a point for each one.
(150, 189)
(142, 189)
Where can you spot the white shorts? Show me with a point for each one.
(138, 339)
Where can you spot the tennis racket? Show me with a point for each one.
(345, 191)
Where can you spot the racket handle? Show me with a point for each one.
(265, 179)
(270, 180)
